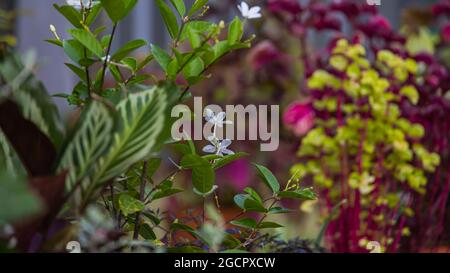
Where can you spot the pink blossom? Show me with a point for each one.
(289, 6)
(299, 117)
(262, 54)
(445, 33)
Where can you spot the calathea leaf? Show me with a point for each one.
(33, 147)
(9, 160)
(90, 140)
(32, 98)
(142, 119)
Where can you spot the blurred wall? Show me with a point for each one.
(145, 22)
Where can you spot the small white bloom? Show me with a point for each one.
(107, 58)
(77, 3)
(216, 120)
(218, 147)
(249, 13)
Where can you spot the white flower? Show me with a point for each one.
(249, 13)
(216, 120)
(77, 3)
(218, 147)
(106, 58)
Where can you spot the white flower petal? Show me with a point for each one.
(209, 114)
(225, 143)
(244, 9)
(220, 117)
(227, 122)
(209, 149)
(227, 152)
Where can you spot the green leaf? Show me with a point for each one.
(161, 56)
(169, 18)
(193, 68)
(130, 62)
(74, 50)
(142, 116)
(165, 193)
(247, 203)
(203, 176)
(223, 161)
(198, 4)
(245, 222)
(147, 232)
(279, 210)
(129, 205)
(71, 14)
(267, 176)
(200, 27)
(118, 9)
(268, 225)
(127, 49)
(78, 71)
(17, 201)
(88, 40)
(194, 39)
(235, 31)
(93, 14)
(253, 194)
(179, 6)
(92, 138)
(305, 194)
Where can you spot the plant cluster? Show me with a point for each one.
(94, 182)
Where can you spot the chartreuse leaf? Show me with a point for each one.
(179, 6)
(203, 176)
(129, 205)
(304, 194)
(235, 31)
(88, 40)
(169, 18)
(16, 199)
(127, 49)
(118, 9)
(71, 14)
(267, 176)
(198, 4)
(142, 116)
(92, 137)
(245, 222)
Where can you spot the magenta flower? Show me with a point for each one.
(263, 54)
(442, 8)
(445, 33)
(299, 117)
(327, 22)
(289, 6)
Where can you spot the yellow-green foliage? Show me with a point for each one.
(372, 138)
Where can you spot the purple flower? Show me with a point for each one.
(299, 117)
